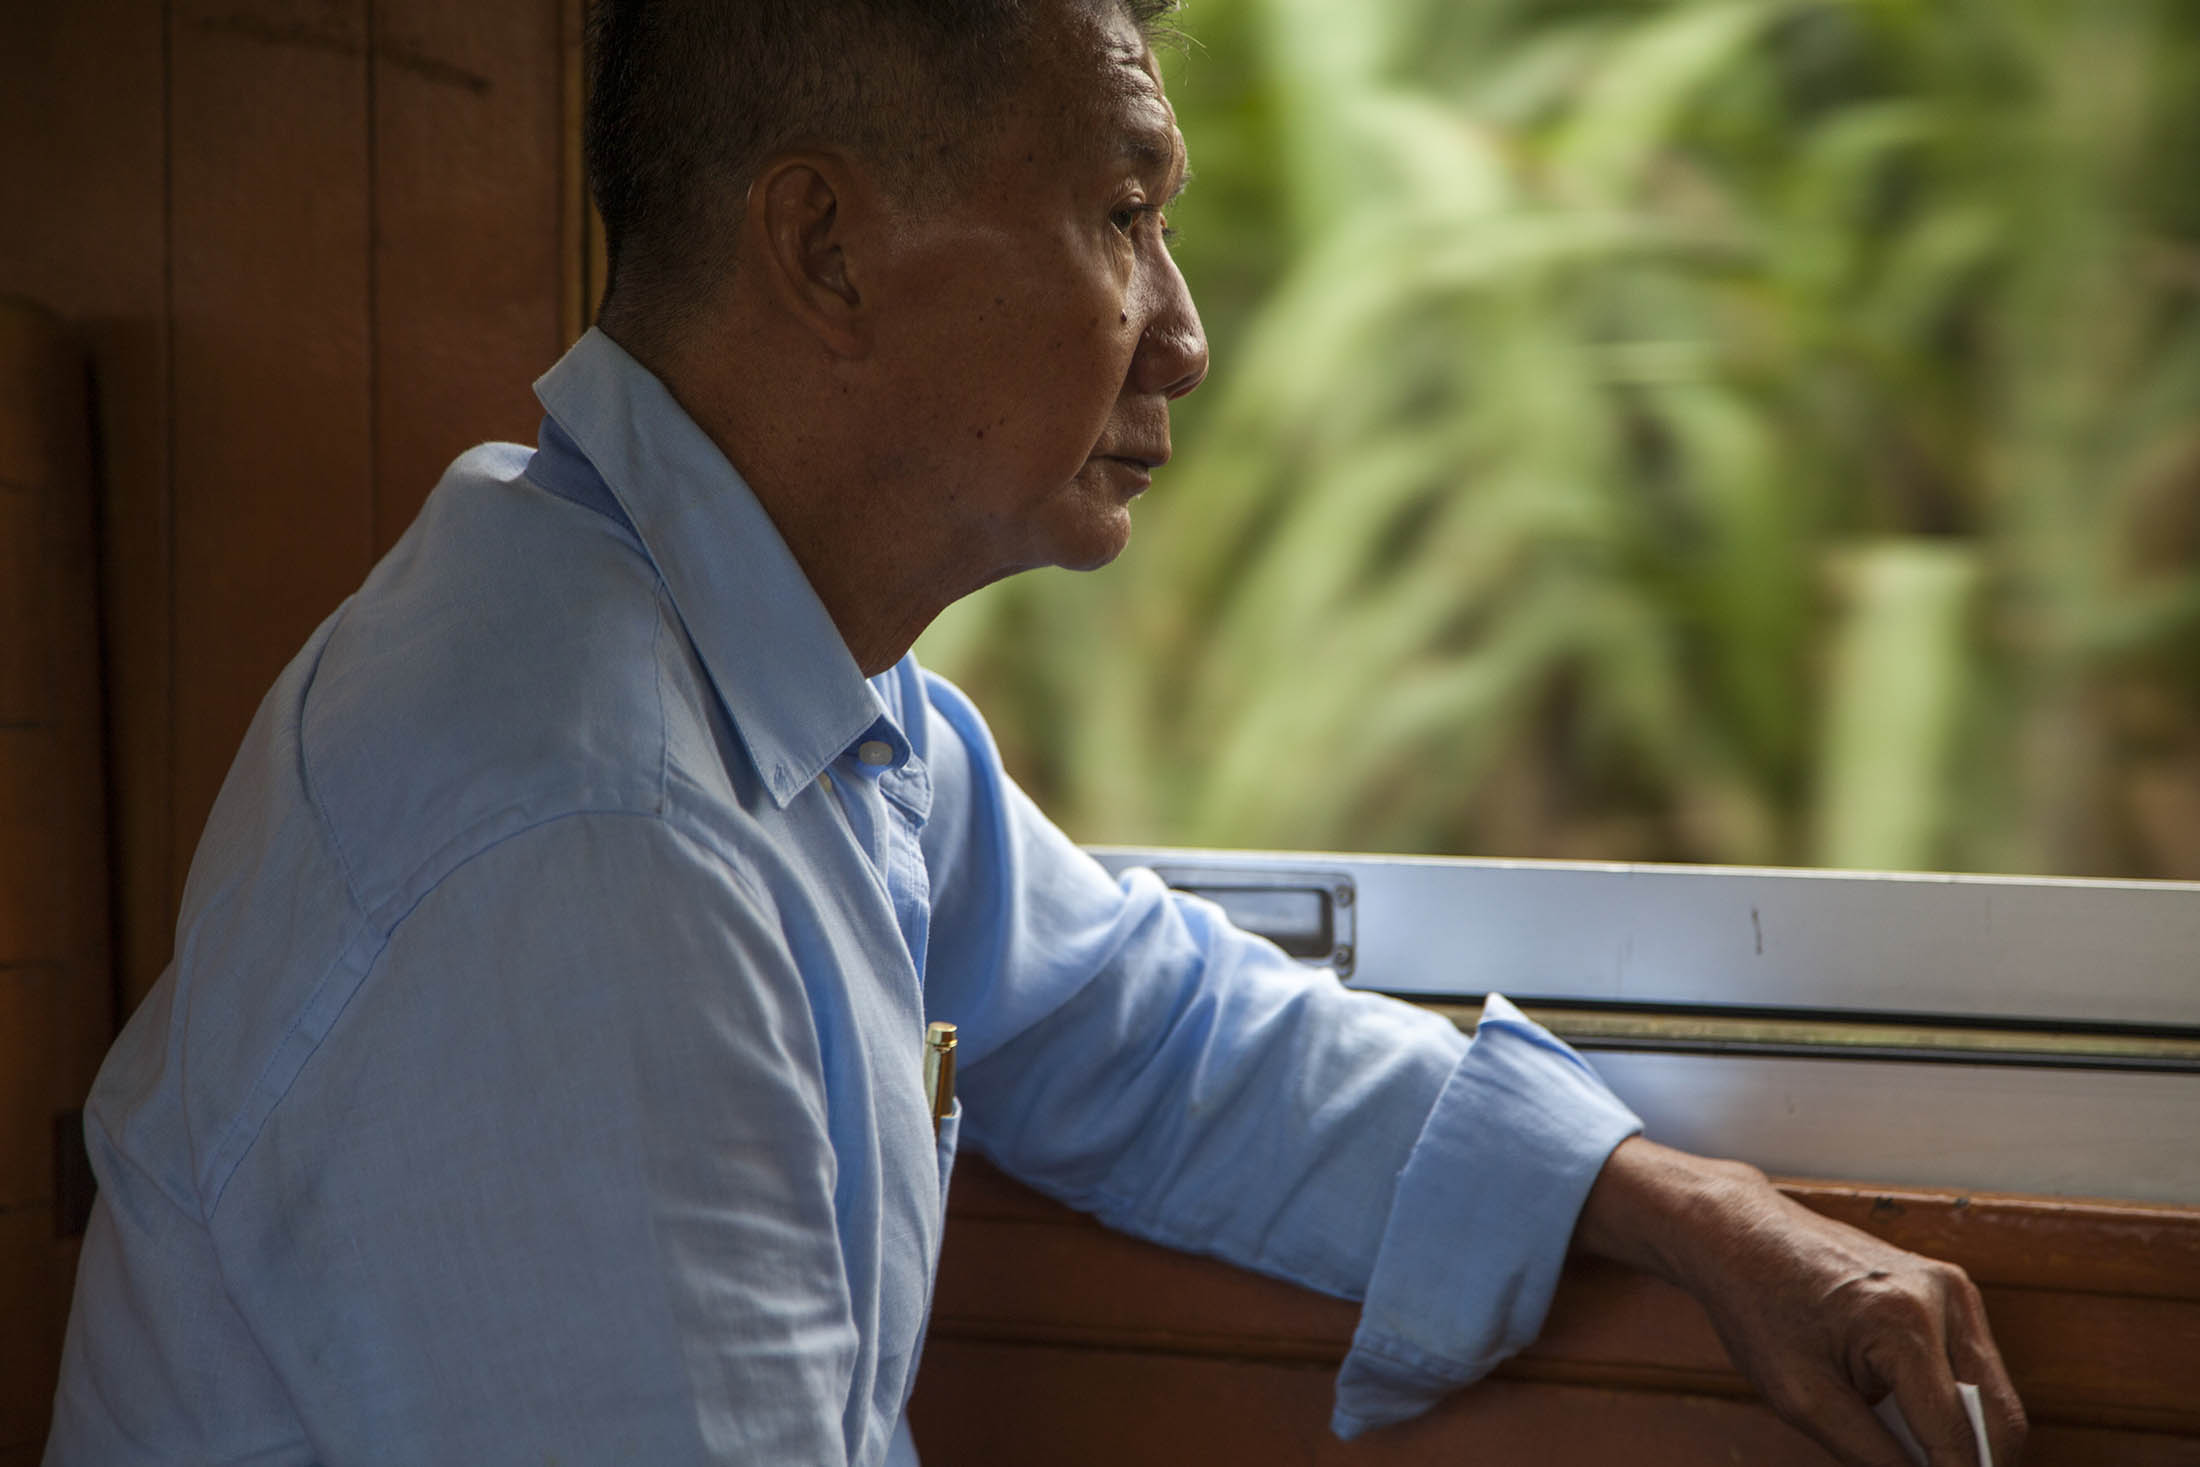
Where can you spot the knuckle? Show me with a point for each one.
(1951, 1278)
(1892, 1308)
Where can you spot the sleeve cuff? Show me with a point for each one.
(1481, 1221)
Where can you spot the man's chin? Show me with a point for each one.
(1096, 543)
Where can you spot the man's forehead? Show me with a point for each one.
(1127, 50)
(1141, 116)
(1133, 75)
(1099, 94)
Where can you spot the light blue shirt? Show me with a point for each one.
(538, 1077)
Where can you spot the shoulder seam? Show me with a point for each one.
(217, 1185)
(683, 828)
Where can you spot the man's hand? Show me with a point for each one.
(1822, 1318)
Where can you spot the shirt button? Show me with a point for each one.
(825, 780)
(875, 752)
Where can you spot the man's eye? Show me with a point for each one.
(1126, 220)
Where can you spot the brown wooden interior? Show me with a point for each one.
(297, 254)
(56, 1009)
(1055, 1339)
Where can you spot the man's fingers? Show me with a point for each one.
(1971, 1349)
(1923, 1364)
(1933, 1407)
(1834, 1416)
(2007, 1427)
(1900, 1341)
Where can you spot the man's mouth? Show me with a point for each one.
(1144, 462)
(1138, 466)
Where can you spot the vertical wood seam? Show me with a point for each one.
(163, 862)
(572, 183)
(374, 290)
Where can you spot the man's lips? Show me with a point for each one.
(1138, 466)
(1145, 462)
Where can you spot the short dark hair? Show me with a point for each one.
(687, 97)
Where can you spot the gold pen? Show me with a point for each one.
(939, 1072)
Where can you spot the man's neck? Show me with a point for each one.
(877, 575)
(859, 572)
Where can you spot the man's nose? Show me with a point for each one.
(1172, 354)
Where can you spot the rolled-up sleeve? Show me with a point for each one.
(1480, 1222)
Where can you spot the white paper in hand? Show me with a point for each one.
(1891, 1414)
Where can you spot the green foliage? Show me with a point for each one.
(1732, 430)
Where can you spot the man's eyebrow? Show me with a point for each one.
(1156, 150)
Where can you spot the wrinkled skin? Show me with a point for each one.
(1822, 1317)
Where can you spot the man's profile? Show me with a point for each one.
(539, 1075)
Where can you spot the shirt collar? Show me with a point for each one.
(791, 687)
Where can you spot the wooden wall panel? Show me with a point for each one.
(319, 385)
(33, 885)
(387, 266)
(2096, 1307)
(34, 1074)
(273, 359)
(83, 184)
(34, 1275)
(984, 1404)
(469, 186)
(580, 230)
(56, 989)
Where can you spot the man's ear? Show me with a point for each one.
(805, 216)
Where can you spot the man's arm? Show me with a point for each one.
(1131, 1052)
(1138, 1057)
(1822, 1317)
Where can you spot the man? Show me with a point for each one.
(538, 1075)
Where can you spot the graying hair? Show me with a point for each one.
(686, 98)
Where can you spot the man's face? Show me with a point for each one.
(1050, 328)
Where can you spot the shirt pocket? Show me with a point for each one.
(910, 1266)
(950, 1132)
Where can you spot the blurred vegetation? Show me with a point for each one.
(1705, 430)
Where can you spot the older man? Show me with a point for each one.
(538, 1078)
